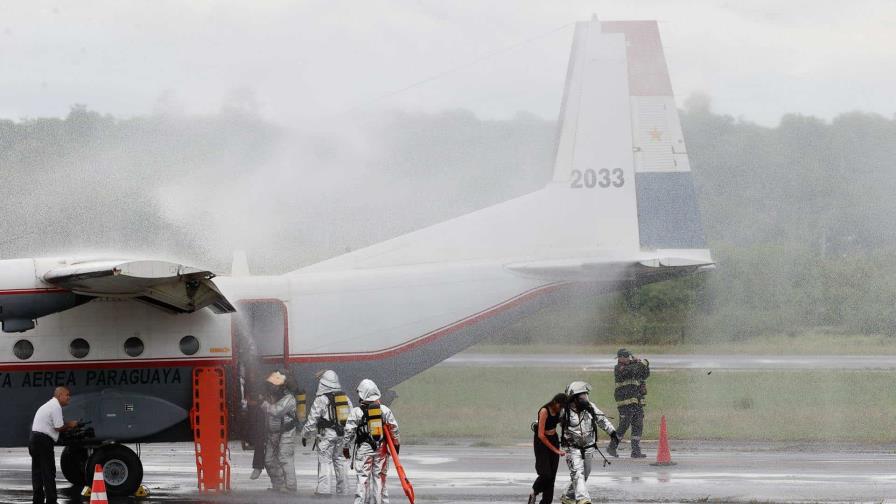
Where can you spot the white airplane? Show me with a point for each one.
(125, 335)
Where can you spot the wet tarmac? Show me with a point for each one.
(705, 471)
(684, 361)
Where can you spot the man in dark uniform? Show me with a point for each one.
(631, 387)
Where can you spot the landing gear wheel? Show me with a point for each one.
(122, 469)
(73, 463)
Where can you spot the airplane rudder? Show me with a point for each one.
(668, 214)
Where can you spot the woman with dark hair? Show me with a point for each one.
(547, 449)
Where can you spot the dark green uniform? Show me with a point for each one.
(629, 394)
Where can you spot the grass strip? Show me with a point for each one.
(496, 406)
(810, 343)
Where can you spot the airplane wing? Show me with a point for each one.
(169, 286)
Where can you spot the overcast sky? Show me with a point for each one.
(306, 60)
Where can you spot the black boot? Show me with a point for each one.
(611, 448)
(636, 449)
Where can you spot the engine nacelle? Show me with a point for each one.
(122, 415)
(24, 297)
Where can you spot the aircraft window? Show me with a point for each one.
(133, 346)
(189, 345)
(23, 349)
(79, 348)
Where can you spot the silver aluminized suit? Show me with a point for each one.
(579, 437)
(280, 446)
(330, 463)
(371, 462)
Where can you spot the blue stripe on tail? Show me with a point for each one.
(668, 216)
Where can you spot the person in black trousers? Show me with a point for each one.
(547, 449)
(257, 435)
(45, 429)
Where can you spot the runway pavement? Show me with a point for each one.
(724, 472)
(679, 361)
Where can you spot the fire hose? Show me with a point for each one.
(402, 477)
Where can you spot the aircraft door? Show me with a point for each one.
(259, 337)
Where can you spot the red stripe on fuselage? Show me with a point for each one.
(127, 364)
(428, 337)
(13, 292)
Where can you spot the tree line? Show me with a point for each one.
(799, 216)
(801, 221)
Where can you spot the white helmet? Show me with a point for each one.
(368, 391)
(329, 382)
(576, 388)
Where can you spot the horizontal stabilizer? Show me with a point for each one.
(613, 270)
(165, 285)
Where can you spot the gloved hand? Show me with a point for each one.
(615, 437)
(346, 453)
(304, 442)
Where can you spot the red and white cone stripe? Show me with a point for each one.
(98, 491)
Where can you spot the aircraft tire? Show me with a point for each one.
(73, 463)
(122, 469)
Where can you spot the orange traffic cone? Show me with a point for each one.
(663, 456)
(98, 491)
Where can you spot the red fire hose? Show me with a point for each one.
(402, 477)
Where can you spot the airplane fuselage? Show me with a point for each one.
(386, 324)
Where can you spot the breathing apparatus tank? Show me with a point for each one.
(301, 406)
(342, 410)
(374, 421)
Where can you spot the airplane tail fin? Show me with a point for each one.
(240, 265)
(619, 119)
(621, 190)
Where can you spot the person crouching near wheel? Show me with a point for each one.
(579, 423)
(364, 430)
(547, 449)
